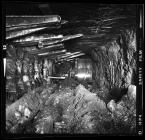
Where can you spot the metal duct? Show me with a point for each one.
(84, 69)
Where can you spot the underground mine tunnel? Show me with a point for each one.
(70, 68)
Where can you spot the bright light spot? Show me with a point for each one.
(27, 112)
(111, 105)
(83, 75)
(25, 78)
(132, 91)
(4, 61)
(17, 115)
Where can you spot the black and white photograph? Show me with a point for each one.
(72, 69)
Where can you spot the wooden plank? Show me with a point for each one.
(11, 35)
(14, 20)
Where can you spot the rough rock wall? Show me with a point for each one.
(24, 72)
(16, 68)
(115, 63)
(11, 72)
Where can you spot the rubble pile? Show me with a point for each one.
(81, 111)
(25, 109)
(75, 111)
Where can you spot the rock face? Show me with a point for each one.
(124, 112)
(80, 111)
(86, 105)
(26, 108)
(132, 92)
(116, 66)
(11, 72)
(70, 111)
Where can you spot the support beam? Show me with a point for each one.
(15, 21)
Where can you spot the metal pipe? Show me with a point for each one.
(72, 56)
(72, 36)
(32, 26)
(70, 59)
(63, 55)
(52, 53)
(52, 77)
(49, 46)
(77, 55)
(32, 41)
(65, 38)
(47, 49)
(29, 44)
(38, 38)
(53, 46)
(68, 55)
